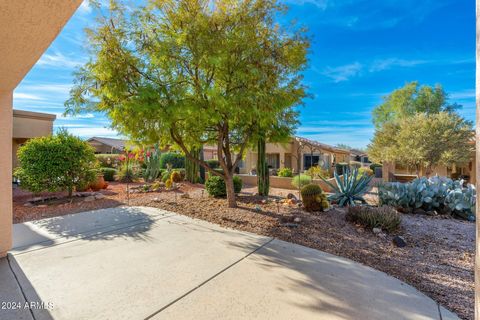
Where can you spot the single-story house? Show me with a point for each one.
(360, 157)
(107, 145)
(299, 154)
(27, 125)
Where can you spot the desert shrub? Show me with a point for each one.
(182, 173)
(61, 162)
(365, 170)
(285, 172)
(108, 160)
(127, 174)
(385, 217)
(176, 160)
(214, 164)
(175, 176)
(301, 180)
(317, 172)
(313, 198)
(442, 194)
(215, 186)
(108, 173)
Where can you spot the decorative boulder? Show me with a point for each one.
(399, 241)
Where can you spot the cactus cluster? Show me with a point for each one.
(436, 193)
(313, 198)
(152, 163)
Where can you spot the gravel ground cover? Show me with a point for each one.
(438, 258)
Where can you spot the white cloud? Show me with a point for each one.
(26, 96)
(58, 60)
(321, 4)
(76, 117)
(384, 64)
(44, 88)
(86, 131)
(343, 73)
(85, 7)
(461, 95)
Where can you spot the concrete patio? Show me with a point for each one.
(145, 263)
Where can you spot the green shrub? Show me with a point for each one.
(108, 173)
(108, 160)
(166, 176)
(127, 174)
(61, 162)
(285, 172)
(301, 180)
(318, 172)
(385, 217)
(176, 160)
(214, 164)
(313, 198)
(365, 170)
(215, 186)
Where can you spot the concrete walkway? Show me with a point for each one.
(145, 263)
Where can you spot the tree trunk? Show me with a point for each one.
(231, 198)
(263, 178)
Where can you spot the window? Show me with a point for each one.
(273, 160)
(310, 161)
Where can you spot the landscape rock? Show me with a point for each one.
(42, 206)
(419, 211)
(382, 235)
(291, 225)
(297, 219)
(377, 230)
(156, 199)
(99, 196)
(28, 204)
(399, 241)
(291, 196)
(185, 196)
(89, 199)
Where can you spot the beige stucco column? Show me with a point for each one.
(6, 100)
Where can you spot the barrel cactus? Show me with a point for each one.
(313, 198)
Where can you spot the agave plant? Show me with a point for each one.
(349, 188)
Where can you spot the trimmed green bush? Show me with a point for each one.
(301, 180)
(215, 186)
(176, 160)
(285, 172)
(61, 162)
(214, 164)
(108, 173)
(385, 217)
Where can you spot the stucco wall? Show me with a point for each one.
(283, 183)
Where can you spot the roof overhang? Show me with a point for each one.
(27, 27)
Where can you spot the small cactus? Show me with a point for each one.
(168, 184)
(313, 198)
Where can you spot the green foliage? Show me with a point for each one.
(285, 172)
(127, 174)
(108, 160)
(189, 72)
(436, 193)
(166, 175)
(313, 198)
(317, 172)
(151, 160)
(215, 186)
(61, 162)
(424, 141)
(176, 160)
(108, 173)
(214, 164)
(385, 217)
(349, 188)
(263, 174)
(365, 171)
(301, 180)
(410, 100)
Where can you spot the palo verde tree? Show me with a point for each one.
(410, 100)
(424, 141)
(194, 72)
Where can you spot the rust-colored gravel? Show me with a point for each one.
(438, 259)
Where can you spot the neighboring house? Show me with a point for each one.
(27, 125)
(360, 157)
(298, 154)
(392, 171)
(107, 145)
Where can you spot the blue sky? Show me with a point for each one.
(361, 50)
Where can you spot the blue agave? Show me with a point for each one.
(349, 188)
